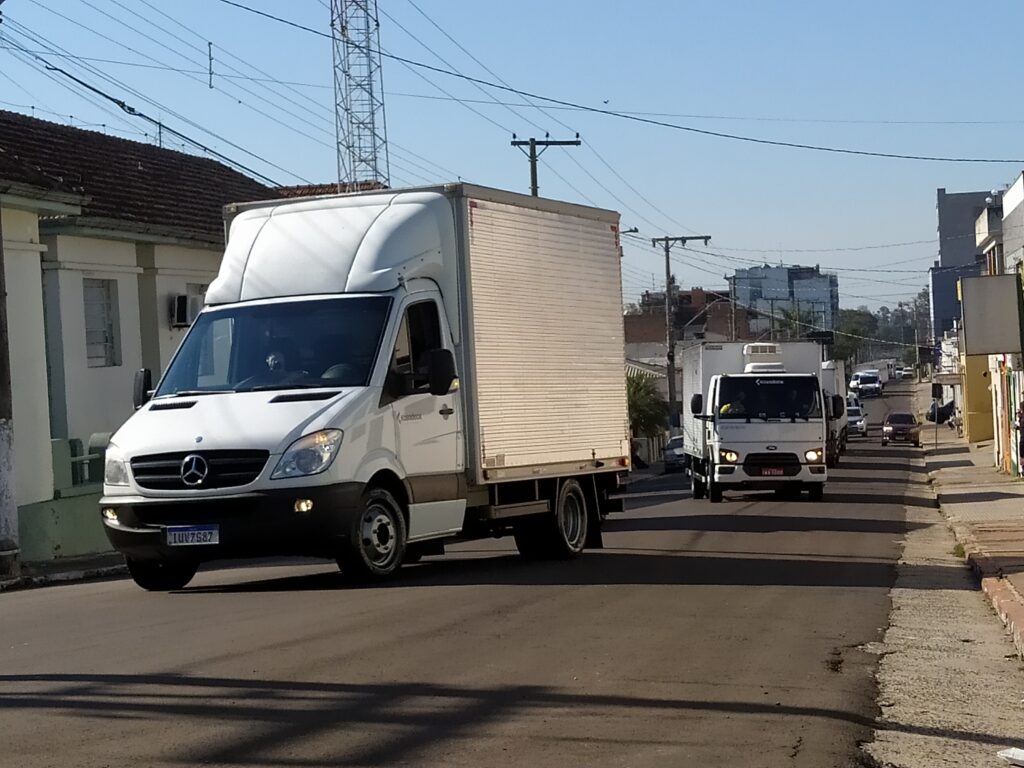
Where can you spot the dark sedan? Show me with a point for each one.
(903, 427)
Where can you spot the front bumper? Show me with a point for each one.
(737, 476)
(262, 524)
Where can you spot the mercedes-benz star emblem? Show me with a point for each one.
(194, 470)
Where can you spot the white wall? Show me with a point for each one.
(93, 399)
(33, 465)
(168, 270)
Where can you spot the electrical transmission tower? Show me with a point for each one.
(358, 93)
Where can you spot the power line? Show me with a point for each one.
(640, 119)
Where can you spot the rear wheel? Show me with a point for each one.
(376, 544)
(161, 575)
(558, 536)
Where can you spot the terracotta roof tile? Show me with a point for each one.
(125, 181)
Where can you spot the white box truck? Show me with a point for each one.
(757, 418)
(376, 373)
(833, 382)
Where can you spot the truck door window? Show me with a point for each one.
(418, 334)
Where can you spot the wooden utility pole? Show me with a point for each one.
(9, 551)
(529, 148)
(670, 330)
(732, 306)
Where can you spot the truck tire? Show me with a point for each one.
(558, 536)
(714, 491)
(161, 575)
(376, 544)
(816, 492)
(697, 489)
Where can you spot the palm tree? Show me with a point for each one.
(648, 411)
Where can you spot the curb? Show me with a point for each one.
(1007, 604)
(42, 580)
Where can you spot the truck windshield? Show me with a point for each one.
(766, 397)
(868, 378)
(282, 345)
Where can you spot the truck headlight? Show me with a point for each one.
(729, 457)
(309, 455)
(115, 472)
(814, 455)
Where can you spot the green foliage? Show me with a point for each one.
(648, 411)
(857, 323)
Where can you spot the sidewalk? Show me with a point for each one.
(67, 569)
(985, 509)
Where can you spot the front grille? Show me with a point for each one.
(226, 469)
(788, 462)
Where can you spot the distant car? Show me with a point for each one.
(858, 420)
(675, 459)
(900, 426)
(869, 385)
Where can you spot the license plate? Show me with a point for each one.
(191, 535)
(772, 471)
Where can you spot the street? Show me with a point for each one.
(700, 635)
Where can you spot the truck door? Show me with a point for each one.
(427, 427)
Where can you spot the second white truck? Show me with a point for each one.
(757, 418)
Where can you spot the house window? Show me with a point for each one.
(102, 345)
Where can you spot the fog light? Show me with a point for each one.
(303, 505)
(109, 513)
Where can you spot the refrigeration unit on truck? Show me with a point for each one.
(377, 373)
(833, 382)
(757, 418)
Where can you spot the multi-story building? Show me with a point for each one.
(773, 292)
(958, 254)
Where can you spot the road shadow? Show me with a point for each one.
(900, 499)
(980, 497)
(612, 568)
(952, 451)
(839, 476)
(767, 523)
(935, 466)
(878, 452)
(272, 722)
(893, 465)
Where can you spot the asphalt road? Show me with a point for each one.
(700, 635)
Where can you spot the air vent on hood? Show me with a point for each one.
(301, 397)
(177, 406)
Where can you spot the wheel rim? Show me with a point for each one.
(379, 535)
(573, 519)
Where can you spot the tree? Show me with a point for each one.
(648, 411)
(792, 324)
(852, 327)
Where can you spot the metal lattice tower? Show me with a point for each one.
(358, 93)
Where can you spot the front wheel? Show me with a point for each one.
(161, 575)
(816, 492)
(714, 490)
(376, 543)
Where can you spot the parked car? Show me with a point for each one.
(858, 420)
(945, 412)
(901, 426)
(675, 459)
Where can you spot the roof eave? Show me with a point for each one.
(132, 231)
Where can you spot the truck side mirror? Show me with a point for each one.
(936, 391)
(143, 387)
(838, 406)
(697, 404)
(440, 371)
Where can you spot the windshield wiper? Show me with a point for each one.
(272, 387)
(195, 393)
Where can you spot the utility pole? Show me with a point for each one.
(771, 319)
(917, 356)
(529, 148)
(670, 331)
(9, 551)
(732, 306)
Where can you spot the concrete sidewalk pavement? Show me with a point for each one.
(985, 509)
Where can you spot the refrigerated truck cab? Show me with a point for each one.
(378, 373)
(763, 427)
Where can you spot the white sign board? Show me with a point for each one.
(992, 319)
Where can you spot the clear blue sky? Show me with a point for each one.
(780, 69)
